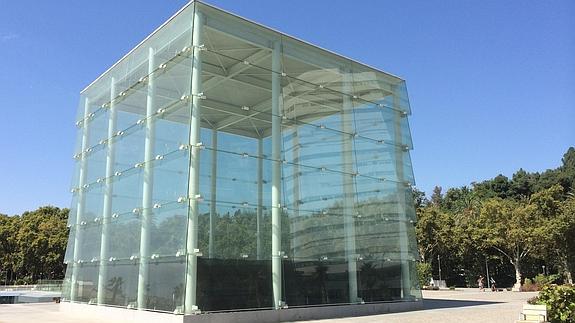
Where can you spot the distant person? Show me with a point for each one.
(493, 285)
(481, 283)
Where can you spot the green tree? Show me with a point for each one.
(499, 186)
(514, 228)
(7, 246)
(437, 196)
(419, 199)
(567, 171)
(423, 273)
(521, 185)
(517, 224)
(561, 231)
(433, 232)
(460, 200)
(41, 240)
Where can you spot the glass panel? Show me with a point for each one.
(69, 256)
(124, 232)
(66, 283)
(87, 282)
(168, 232)
(72, 215)
(225, 284)
(122, 284)
(317, 281)
(167, 280)
(379, 280)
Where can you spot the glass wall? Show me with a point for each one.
(221, 165)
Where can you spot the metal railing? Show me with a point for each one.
(42, 285)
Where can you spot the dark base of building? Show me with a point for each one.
(257, 316)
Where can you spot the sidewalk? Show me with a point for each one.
(462, 305)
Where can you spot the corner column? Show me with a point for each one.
(110, 159)
(81, 203)
(276, 177)
(348, 186)
(146, 219)
(190, 303)
(401, 191)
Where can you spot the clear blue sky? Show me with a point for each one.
(491, 83)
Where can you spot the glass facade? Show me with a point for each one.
(221, 165)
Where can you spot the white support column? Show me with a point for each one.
(401, 191)
(110, 159)
(348, 186)
(80, 204)
(190, 303)
(276, 177)
(213, 190)
(259, 211)
(146, 213)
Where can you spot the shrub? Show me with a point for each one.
(423, 273)
(533, 300)
(560, 302)
(529, 286)
(541, 279)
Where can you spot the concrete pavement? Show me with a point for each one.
(463, 305)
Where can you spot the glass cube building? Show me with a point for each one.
(222, 165)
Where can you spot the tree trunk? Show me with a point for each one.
(568, 277)
(517, 286)
(566, 270)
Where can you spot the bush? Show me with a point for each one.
(423, 273)
(541, 279)
(529, 286)
(560, 301)
(533, 300)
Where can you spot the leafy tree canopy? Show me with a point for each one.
(32, 245)
(516, 226)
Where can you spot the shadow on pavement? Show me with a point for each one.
(430, 303)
